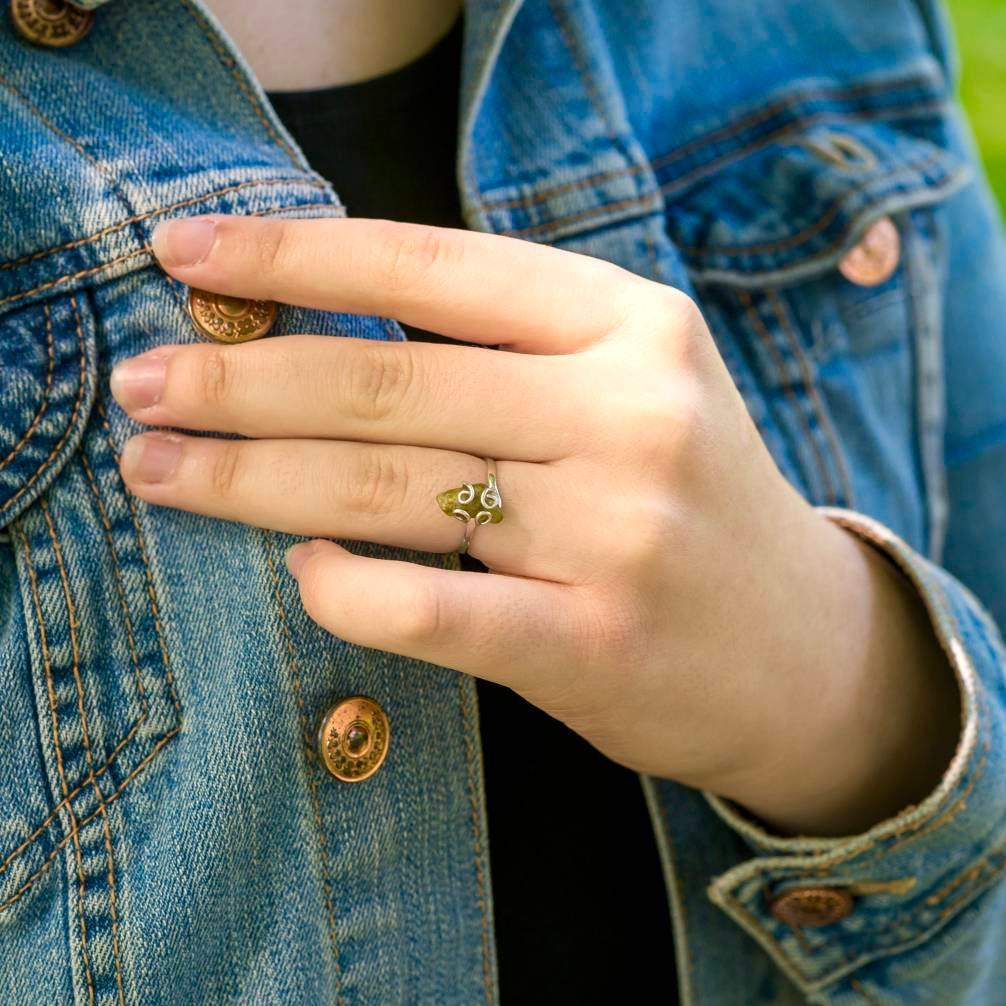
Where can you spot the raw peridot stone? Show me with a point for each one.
(471, 504)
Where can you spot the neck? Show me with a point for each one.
(321, 43)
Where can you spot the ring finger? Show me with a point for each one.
(350, 490)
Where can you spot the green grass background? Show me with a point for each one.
(981, 41)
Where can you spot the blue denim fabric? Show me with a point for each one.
(167, 834)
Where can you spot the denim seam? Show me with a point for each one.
(309, 761)
(822, 222)
(125, 742)
(69, 277)
(72, 621)
(137, 218)
(228, 61)
(867, 997)
(760, 328)
(155, 610)
(841, 470)
(121, 594)
(92, 270)
(586, 78)
(113, 901)
(573, 218)
(722, 133)
(795, 127)
(90, 817)
(477, 839)
(81, 387)
(74, 824)
(44, 403)
(853, 959)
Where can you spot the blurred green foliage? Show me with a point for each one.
(981, 40)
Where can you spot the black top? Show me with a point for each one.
(581, 912)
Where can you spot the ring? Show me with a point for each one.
(474, 503)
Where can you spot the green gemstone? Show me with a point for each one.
(448, 502)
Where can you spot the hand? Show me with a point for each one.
(656, 584)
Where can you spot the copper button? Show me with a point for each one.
(808, 907)
(876, 256)
(353, 738)
(230, 319)
(50, 22)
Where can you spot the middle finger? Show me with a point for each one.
(461, 398)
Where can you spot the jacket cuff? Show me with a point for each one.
(892, 887)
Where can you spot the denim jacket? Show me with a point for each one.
(167, 833)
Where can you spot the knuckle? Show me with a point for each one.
(272, 246)
(225, 471)
(379, 381)
(378, 483)
(411, 255)
(665, 418)
(214, 377)
(422, 618)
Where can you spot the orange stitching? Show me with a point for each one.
(961, 878)
(577, 217)
(306, 738)
(141, 544)
(862, 991)
(74, 826)
(44, 404)
(113, 902)
(49, 284)
(144, 250)
(302, 206)
(798, 127)
(71, 611)
(754, 118)
(968, 895)
(46, 121)
(814, 397)
(725, 132)
(90, 817)
(82, 384)
(763, 333)
(812, 229)
(119, 584)
(136, 218)
(476, 839)
(239, 77)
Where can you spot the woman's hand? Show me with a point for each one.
(657, 585)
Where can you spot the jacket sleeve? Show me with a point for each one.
(910, 875)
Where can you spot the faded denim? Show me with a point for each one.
(167, 835)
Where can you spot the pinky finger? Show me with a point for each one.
(507, 629)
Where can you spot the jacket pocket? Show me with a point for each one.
(83, 645)
(817, 254)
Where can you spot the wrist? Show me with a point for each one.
(868, 713)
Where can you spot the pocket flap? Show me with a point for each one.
(47, 382)
(789, 209)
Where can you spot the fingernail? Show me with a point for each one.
(183, 242)
(137, 383)
(297, 555)
(151, 457)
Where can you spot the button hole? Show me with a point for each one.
(843, 151)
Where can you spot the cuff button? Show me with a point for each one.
(809, 907)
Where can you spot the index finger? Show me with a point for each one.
(464, 284)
